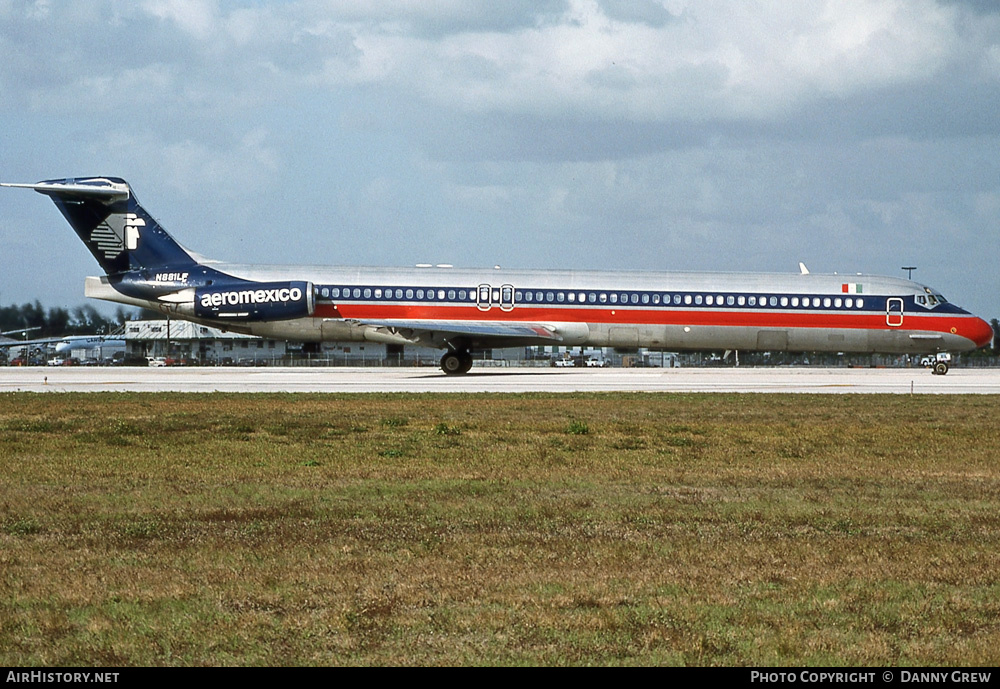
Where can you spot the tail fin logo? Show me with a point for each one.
(132, 225)
(118, 232)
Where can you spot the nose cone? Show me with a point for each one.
(977, 330)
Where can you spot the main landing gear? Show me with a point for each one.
(456, 362)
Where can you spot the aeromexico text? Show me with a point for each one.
(255, 301)
(255, 296)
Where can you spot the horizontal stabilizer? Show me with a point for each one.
(90, 188)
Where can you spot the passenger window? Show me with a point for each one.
(784, 301)
(773, 301)
(368, 292)
(604, 298)
(698, 299)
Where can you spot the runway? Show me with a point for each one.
(503, 380)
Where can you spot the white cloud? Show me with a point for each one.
(717, 59)
(199, 18)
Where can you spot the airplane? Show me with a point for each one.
(62, 346)
(88, 343)
(459, 310)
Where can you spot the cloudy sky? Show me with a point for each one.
(853, 135)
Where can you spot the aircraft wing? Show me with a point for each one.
(486, 332)
(4, 342)
(30, 343)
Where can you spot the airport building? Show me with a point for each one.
(188, 342)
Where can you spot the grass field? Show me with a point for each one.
(609, 529)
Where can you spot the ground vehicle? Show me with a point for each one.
(938, 362)
(596, 363)
(564, 363)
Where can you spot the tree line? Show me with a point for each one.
(57, 321)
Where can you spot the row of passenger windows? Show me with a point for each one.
(563, 297)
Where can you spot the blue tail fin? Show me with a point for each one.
(119, 232)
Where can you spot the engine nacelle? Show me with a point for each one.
(256, 301)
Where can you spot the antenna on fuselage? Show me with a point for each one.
(802, 268)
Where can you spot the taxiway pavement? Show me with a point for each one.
(510, 380)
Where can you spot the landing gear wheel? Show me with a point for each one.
(456, 363)
(940, 368)
(466, 361)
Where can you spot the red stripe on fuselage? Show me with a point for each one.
(843, 318)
